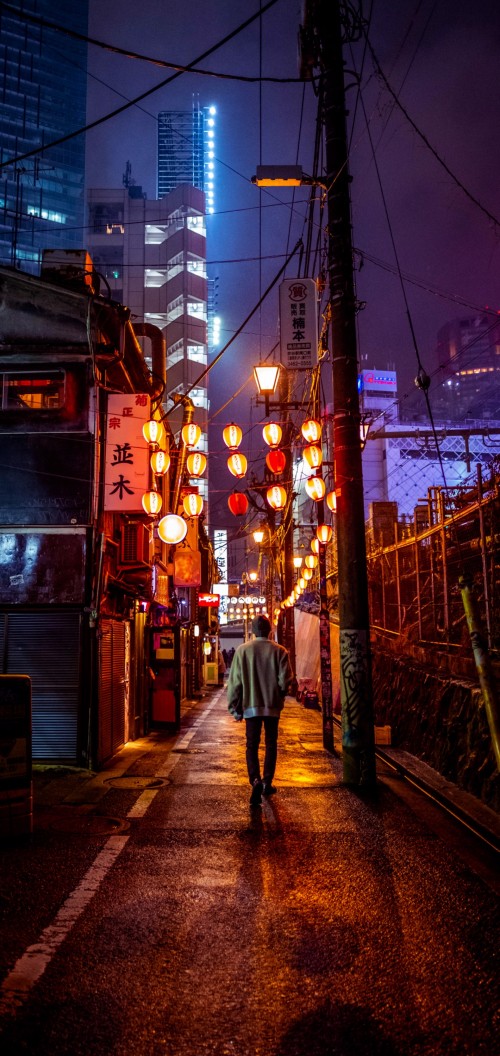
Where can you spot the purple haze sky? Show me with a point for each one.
(441, 56)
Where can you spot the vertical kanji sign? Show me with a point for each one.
(127, 453)
(298, 323)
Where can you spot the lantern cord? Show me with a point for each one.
(244, 323)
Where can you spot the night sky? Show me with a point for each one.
(441, 59)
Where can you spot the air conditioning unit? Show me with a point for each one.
(134, 544)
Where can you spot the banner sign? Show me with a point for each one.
(127, 452)
(208, 599)
(298, 324)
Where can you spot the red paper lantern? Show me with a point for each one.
(275, 460)
(324, 533)
(232, 436)
(312, 456)
(276, 497)
(238, 503)
(311, 430)
(192, 505)
(272, 433)
(315, 487)
(237, 464)
(190, 434)
(196, 463)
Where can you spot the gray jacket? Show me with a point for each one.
(258, 679)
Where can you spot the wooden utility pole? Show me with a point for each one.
(324, 25)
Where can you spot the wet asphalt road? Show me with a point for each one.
(173, 920)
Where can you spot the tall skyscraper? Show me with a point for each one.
(186, 150)
(42, 98)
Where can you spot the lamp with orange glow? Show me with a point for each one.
(237, 464)
(311, 430)
(192, 505)
(172, 528)
(191, 434)
(297, 561)
(315, 545)
(331, 501)
(307, 574)
(232, 436)
(312, 456)
(272, 433)
(153, 431)
(238, 503)
(160, 462)
(266, 378)
(324, 533)
(151, 502)
(258, 535)
(196, 463)
(315, 487)
(276, 497)
(311, 560)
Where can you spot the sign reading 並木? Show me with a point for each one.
(127, 452)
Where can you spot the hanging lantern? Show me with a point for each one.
(275, 460)
(315, 487)
(324, 533)
(237, 464)
(207, 648)
(190, 434)
(307, 574)
(331, 501)
(151, 502)
(311, 560)
(312, 456)
(238, 503)
(232, 436)
(160, 462)
(276, 497)
(311, 431)
(192, 505)
(172, 528)
(302, 583)
(153, 431)
(315, 546)
(196, 463)
(272, 433)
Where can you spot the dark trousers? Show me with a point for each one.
(253, 732)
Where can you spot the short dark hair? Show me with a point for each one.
(261, 627)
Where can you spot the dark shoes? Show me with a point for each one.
(268, 789)
(256, 796)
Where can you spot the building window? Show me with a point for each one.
(40, 391)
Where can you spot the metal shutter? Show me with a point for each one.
(46, 646)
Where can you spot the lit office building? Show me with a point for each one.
(186, 150)
(43, 98)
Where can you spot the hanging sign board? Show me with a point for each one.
(298, 324)
(208, 599)
(127, 452)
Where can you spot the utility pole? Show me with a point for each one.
(324, 25)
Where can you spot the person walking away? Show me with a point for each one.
(259, 678)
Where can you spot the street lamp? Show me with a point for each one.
(266, 378)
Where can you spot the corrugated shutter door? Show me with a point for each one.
(111, 689)
(46, 646)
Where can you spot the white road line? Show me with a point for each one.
(29, 968)
(33, 962)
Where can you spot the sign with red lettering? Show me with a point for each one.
(127, 452)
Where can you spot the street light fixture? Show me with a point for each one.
(266, 378)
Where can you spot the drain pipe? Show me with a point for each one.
(158, 356)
